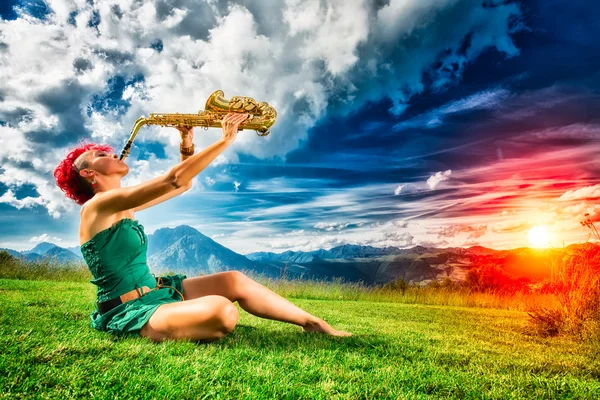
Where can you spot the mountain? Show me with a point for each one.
(164, 237)
(75, 250)
(418, 264)
(182, 249)
(45, 250)
(60, 255)
(40, 248)
(185, 250)
(481, 250)
(347, 251)
(12, 252)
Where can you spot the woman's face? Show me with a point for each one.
(106, 163)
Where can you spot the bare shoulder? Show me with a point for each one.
(92, 221)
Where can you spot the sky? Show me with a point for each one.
(444, 123)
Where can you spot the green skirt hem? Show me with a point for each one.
(129, 318)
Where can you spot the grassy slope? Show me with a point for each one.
(398, 351)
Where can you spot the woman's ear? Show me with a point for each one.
(86, 173)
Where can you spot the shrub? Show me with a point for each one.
(493, 279)
(43, 269)
(576, 285)
(398, 284)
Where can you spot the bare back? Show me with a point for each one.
(93, 222)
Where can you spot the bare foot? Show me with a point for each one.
(318, 325)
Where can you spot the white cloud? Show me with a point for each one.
(45, 238)
(578, 211)
(9, 198)
(306, 58)
(176, 18)
(511, 226)
(435, 180)
(400, 18)
(404, 239)
(54, 200)
(332, 30)
(488, 99)
(242, 49)
(331, 226)
(400, 223)
(286, 185)
(297, 232)
(588, 192)
(221, 159)
(104, 127)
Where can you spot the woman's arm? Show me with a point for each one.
(185, 171)
(141, 196)
(186, 141)
(131, 197)
(164, 197)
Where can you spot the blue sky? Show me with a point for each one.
(401, 123)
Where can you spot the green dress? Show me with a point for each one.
(116, 257)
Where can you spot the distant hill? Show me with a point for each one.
(12, 252)
(45, 250)
(40, 248)
(184, 249)
(415, 265)
(346, 251)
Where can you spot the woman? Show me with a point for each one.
(130, 299)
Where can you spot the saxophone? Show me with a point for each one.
(261, 117)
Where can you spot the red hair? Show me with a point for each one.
(67, 174)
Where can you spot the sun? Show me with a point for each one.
(538, 237)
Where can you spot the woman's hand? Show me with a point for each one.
(230, 125)
(187, 135)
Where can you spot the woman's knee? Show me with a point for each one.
(227, 314)
(213, 319)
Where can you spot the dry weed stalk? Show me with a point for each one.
(576, 284)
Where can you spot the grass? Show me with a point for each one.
(336, 289)
(398, 351)
(575, 282)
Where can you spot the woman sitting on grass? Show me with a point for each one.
(133, 301)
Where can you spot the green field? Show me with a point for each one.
(398, 351)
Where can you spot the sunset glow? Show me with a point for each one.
(538, 237)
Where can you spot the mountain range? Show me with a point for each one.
(184, 249)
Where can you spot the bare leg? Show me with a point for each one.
(263, 302)
(208, 318)
(255, 299)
